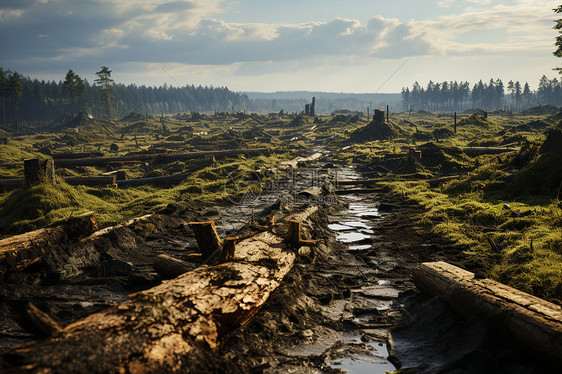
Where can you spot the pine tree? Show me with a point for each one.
(558, 43)
(16, 90)
(106, 83)
(4, 92)
(73, 86)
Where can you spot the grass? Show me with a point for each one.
(530, 233)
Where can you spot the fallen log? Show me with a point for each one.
(99, 180)
(153, 180)
(163, 328)
(533, 322)
(102, 161)
(21, 251)
(170, 267)
(477, 151)
(70, 229)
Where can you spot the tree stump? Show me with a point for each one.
(38, 171)
(294, 233)
(378, 117)
(208, 239)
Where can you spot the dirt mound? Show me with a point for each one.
(477, 111)
(540, 124)
(553, 142)
(81, 119)
(443, 133)
(540, 178)
(422, 136)
(135, 117)
(376, 131)
(517, 139)
(541, 109)
(443, 158)
(474, 120)
(298, 121)
(425, 112)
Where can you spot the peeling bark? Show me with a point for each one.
(158, 329)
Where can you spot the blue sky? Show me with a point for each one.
(271, 45)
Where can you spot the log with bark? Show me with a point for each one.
(17, 252)
(533, 322)
(99, 180)
(163, 328)
(176, 178)
(102, 161)
(477, 151)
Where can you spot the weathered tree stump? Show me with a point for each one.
(294, 235)
(38, 171)
(208, 239)
(378, 117)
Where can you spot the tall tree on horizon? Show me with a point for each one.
(105, 82)
(558, 43)
(73, 86)
(16, 90)
(4, 92)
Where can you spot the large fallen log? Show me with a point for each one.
(101, 161)
(533, 322)
(477, 151)
(38, 240)
(98, 180)
(20, 251)
(153, 180)
(160, 329)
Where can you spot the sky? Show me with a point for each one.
(362, 46)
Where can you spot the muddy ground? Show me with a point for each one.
(352, 307)
(349, 305)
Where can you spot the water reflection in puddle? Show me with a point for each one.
(372, 362)
(338, 227)
(352, 237)
(359, 247)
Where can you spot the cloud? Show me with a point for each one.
(86, 35)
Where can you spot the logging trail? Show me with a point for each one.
(347, 305)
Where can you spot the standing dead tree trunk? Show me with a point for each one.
(533, 322)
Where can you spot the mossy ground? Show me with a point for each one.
(467, 210)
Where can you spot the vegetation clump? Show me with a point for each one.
(376, 131)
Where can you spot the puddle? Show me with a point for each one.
(352, 237)
(359, 247)
(338, 227)
(356, 224)
(372, 361)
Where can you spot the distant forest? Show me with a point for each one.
(23, 99)
(495, 95)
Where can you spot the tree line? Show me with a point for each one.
(494, 95)
(23, 99)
